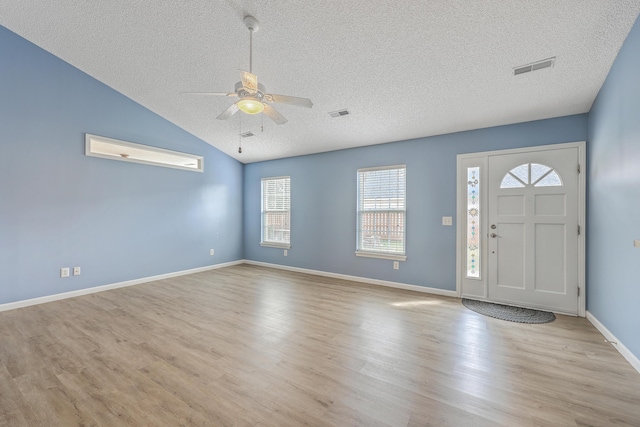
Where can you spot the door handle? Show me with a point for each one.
(493, 235)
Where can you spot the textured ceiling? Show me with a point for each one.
(404, 69)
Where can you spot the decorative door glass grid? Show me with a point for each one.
(531, 174)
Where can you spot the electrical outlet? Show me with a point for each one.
(286, 252)
(76, 271)
(64, 272)
(211, 252)
(396, 265)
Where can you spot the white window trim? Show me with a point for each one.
(382, 255)
(275, 245)
(270, 244)
(380, 168)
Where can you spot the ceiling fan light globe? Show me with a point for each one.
(250, 106)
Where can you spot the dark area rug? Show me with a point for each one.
(510, 313)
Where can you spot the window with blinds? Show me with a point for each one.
(276, 203)
(382, 212)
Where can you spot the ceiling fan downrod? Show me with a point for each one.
(253, 25)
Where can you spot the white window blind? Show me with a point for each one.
(276, 206)
(382, 212)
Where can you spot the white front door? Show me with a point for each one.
(533, 229)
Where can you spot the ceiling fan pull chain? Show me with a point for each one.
(240, 135)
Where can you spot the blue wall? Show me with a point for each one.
(122, 221)
(117, 221)
(323, 201)
(613, 264)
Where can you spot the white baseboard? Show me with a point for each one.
(87, 291)
(624, 351)
(423, 289)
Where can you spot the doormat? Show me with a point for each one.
(510, 313)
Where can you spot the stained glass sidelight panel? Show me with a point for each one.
(473, 222)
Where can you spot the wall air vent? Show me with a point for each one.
(246, 134)
(339, 113)
(539, 65)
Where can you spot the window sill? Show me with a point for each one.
(275, 245)
(382, 256)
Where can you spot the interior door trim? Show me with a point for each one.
(477, 288)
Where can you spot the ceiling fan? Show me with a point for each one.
(252, 95)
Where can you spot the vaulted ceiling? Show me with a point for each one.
(403, 70)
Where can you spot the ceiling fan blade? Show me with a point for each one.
(250, 82)
(209, 93)
(233, 108)
(293, 100)
(273, 114)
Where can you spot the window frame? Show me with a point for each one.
(125, 151)
(361, 252)
(264, 211)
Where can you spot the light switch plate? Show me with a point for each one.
(636, 243)
(447, 220)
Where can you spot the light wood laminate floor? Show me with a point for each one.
(248, 345)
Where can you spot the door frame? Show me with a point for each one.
(476, 288)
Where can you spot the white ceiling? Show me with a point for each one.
(404, 69)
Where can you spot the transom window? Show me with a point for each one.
(382, 212)
(531, 174)
(276, 212)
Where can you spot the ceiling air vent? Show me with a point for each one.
(339, 113)
(246, 134)
(545, 63)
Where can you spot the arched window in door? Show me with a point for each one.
(533, 174)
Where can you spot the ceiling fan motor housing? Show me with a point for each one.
(243, 93)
